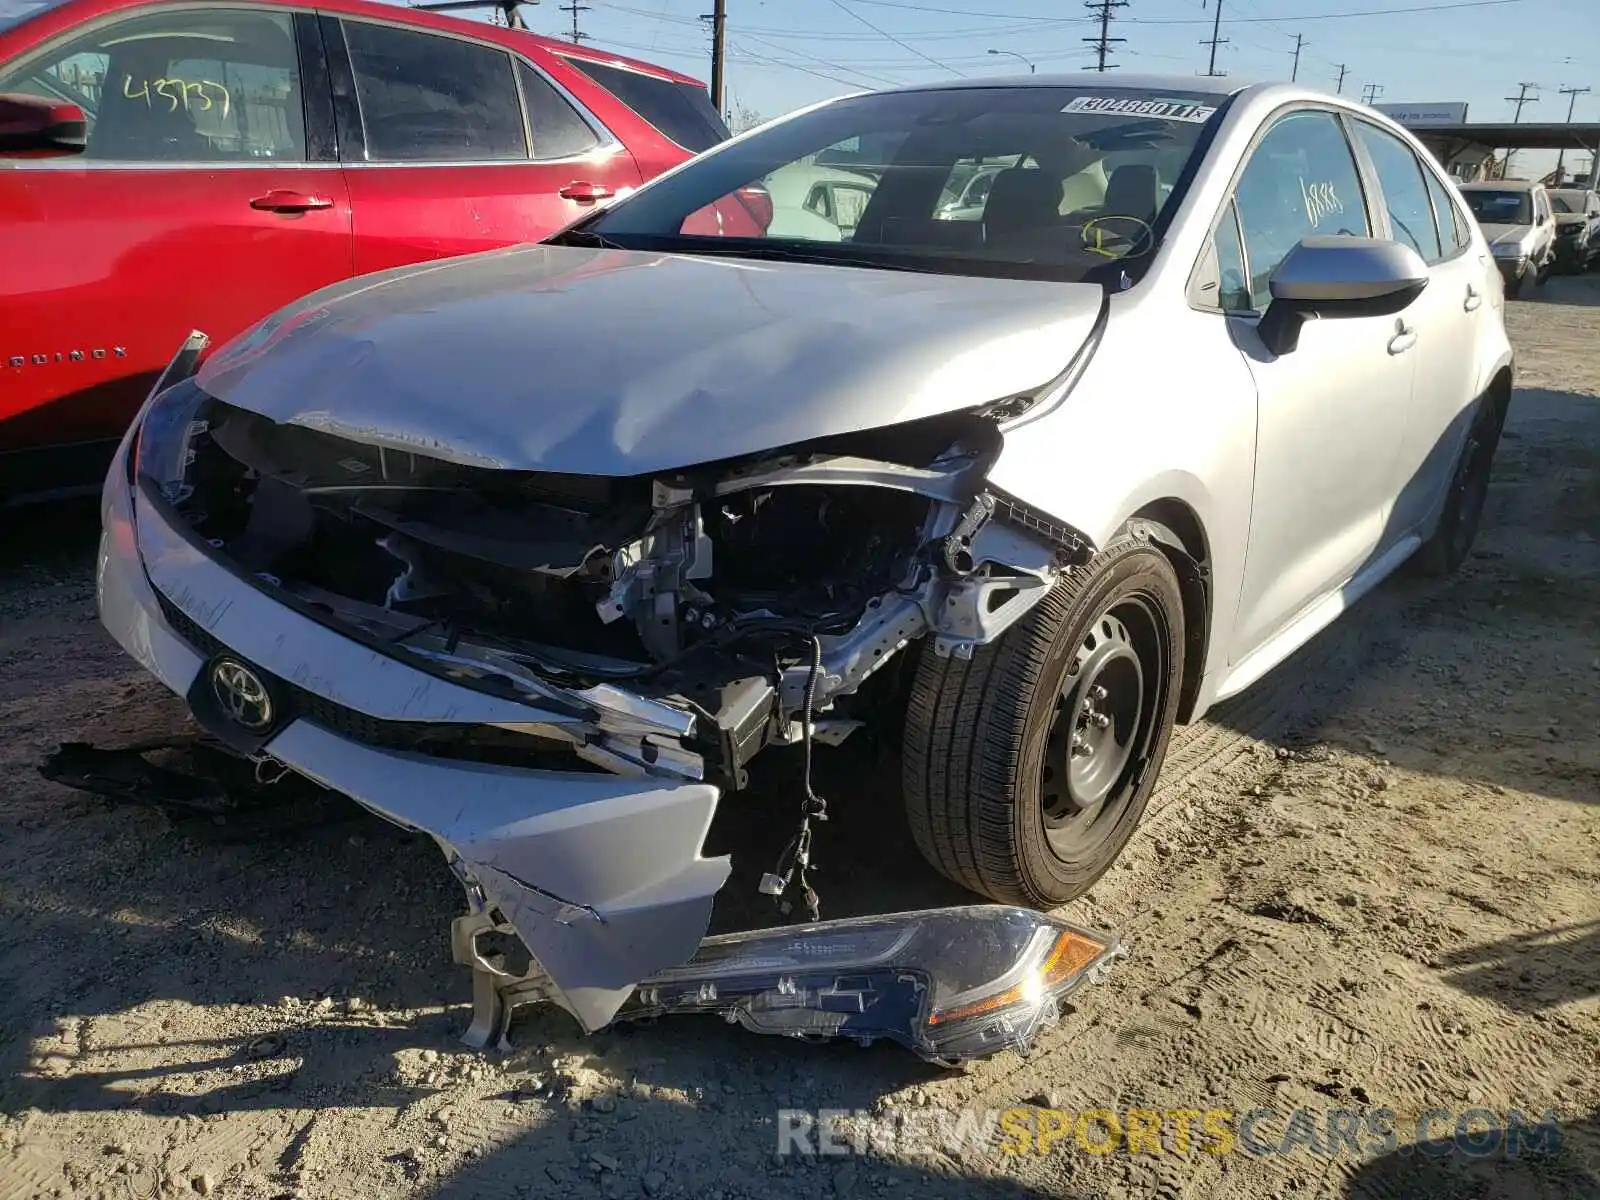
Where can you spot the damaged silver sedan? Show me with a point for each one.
(536, 551)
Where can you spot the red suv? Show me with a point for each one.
(231, 157)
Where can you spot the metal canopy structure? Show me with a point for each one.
(1463, 148)
(1507, 135)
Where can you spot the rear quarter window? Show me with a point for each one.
(681, 112)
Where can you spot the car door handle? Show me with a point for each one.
(281, 200)
(584, 192)
(1473, 299)
(1404, 337)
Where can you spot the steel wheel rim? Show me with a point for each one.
(1103, 726)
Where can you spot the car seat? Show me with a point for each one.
(1024, 202)
(1132, 191)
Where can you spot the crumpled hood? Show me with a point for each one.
(1506, 235)
(612, 362)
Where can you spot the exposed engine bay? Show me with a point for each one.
(726, 608)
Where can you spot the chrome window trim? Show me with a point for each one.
(606, 152)
(139, 164)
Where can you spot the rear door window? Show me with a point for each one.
(681, 112)
(1452, 226)
(558, 130)
(429, 98)
(1405, 193)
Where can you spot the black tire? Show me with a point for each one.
(1443, 553)
(993, 787)
(1517, 286)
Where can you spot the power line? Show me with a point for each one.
(822, 62)
(1343, 71)
(1215, 40)
(1331, 16)
(1102, 10)
(842, 7)
(1294, 72)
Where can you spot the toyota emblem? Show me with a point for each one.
(241, 695)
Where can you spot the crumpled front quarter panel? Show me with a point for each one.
(1166, 409)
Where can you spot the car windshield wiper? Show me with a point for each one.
(583, 237)
(788, 253)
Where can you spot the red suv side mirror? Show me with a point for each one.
(33, 127)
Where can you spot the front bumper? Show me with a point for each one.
(600, 875)
(1512, 269)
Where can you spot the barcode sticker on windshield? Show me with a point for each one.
(1167, 110)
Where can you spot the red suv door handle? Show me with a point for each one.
(280, 200)
(584, 192)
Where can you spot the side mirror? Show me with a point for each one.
(33, 127)
(1333, 277)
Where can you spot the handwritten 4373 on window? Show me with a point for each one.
(201, 94)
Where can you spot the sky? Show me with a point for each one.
(786, 53)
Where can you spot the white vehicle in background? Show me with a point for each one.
(1518, 224)
(807, 199)
(1577, 214)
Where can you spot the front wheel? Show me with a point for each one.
(1027, 767)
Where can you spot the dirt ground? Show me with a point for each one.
(1370, 882)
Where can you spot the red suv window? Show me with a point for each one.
(679, 111)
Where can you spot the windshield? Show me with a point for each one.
(1040, 182)
(14, 12)
(1499, 208)
(1567, 202)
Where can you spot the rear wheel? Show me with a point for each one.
(1444, 552)
(1027, 767)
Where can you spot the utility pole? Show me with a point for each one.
(1370, 92)
(1343, 71)
(719, 53)
(1102, 44)
(1214, 41)
(1519, 100)
(575, 8)
(1561, 159)
(1299, 44)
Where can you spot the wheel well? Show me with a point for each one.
(1176, 528)
(1500, 389)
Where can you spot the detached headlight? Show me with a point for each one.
(948, 983)
(169, 424)
(162, 448)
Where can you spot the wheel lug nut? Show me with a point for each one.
(1101, 720)
(1097, 692)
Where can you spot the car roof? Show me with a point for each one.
(16, 12)
(1188, 84)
